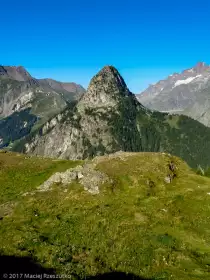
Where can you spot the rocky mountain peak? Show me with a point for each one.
(110, 78)
(17, 73)
(201, 65)
(110, 75)
(105, 89)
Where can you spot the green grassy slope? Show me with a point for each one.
(137, 224)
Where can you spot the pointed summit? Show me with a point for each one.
(106, 89)
(111, 73)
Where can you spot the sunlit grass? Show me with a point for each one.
(159, 232)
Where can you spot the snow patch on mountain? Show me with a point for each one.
(186, 81)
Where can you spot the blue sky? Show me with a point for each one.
(71, 40)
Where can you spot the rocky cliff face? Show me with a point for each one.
(185, 93)
(108, 118)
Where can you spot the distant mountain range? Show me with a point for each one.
(40, 99)
(18, 89)
(186, 93)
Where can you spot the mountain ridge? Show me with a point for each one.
(20, 92)
(109, 118)
(183, 93)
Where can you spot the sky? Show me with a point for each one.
(72, 40)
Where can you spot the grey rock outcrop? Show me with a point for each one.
(86, 175)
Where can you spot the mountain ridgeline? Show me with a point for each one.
(109, 118)
(40, 100)
(186, 93)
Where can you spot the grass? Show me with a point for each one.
(137, 224)
(19, 173)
